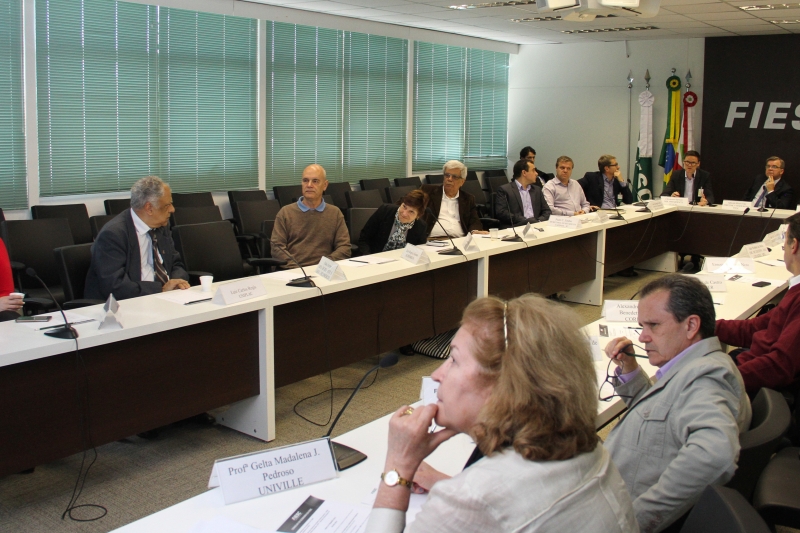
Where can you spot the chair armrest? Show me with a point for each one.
(75, 304)
(489, 223)
(16, 265)
(246, 238)
(355, 251)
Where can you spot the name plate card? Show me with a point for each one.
(736, 204)
(471, 242)
(676, 201)
(621, 310)
(253, 475)
(113, 314)
(564, 222)
(655, 205)
(415, 255)
(774, 238)
(714, 282)
(330, 270)
(602, 216)
(729, 265)
(428, 392)
(239, 291)
(755, 250)
(528, 233)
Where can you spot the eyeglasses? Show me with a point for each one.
(692, 163)
(451, 176)
(773, 167)
(607, 392)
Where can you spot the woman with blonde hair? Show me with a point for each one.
(521, 382)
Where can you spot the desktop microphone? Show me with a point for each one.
(516, 237)
(618, 216)
(747, 210)
(455, 250)
(764, 231)
(305, 281)
(644, 208)
(345, 455)
(61, 332)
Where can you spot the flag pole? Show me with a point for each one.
(630, 103)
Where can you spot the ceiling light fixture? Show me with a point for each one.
(763, 7)
(796, 21)
(611, 30)
(555, 18)
(495, 4)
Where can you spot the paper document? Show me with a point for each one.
(771, 262)
(183, 297)
(57, 320)
(414, 504)
(317, 515)
(223, 524)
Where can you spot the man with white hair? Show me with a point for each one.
(134, 254)
(455, 209)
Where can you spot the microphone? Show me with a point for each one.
(345, 455)
(61, 332)
(687, 269)
(764, 231)
(516, 237)
(454, 251)
(305, 281)
(618, 216)
(747, 210)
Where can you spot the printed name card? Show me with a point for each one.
(602, 216)
(528, 232)
(239, 291)
(415, 255)
(655, 205)
(428, 391)
(676, 201)
(729, 265)
(736, 204)
(564, 222)
(471, 242)
(253, 475)
(774, 238)
(755, 250)
(330, 270)
(621, 310)
(714, 282)
(113, 314)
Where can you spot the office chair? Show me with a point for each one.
(73, 264)
(777, 494)
(378, 184)
(192, 199)
(357, 217)
(337, 193)
(495, 182)
(412, 180)
(495, 173)
(370, 198)
(76, 214)
(115, 206)
(285, 193)
(393, 194)
(723, 510)
(434, 179)
(196, 215)
(97, 222)
(248, 217)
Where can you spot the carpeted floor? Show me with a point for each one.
(137, 477)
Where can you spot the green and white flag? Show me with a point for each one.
(643, 172)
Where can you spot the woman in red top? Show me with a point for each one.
(9, 305)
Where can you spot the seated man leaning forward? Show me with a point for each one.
(455, 209)
(602, 187)
(133, 254)
(521, 201)
(521, 382)
(309, 229)
(564, 195)
(680, 433)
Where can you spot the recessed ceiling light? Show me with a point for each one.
(495, 4)
(611, 30)
(762, 7)
(554, 18)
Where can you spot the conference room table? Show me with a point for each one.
(353, 486)
(173, 361)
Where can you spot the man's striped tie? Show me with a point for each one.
(158, 266)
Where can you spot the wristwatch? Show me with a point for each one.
(392, 478)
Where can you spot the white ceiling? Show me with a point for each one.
(675, 19)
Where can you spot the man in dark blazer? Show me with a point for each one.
(529, 154)
(692, 180)
(601, 188)
(123, 262)
(511, 208)
(770, 189)
(455, 209)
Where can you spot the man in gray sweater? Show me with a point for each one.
(310, 229)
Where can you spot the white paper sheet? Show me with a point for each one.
(182, 297)
(57, 320)
(771, 262)
(223, 524)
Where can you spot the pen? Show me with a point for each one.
(71, 324)
(357, 261)
(198, 301)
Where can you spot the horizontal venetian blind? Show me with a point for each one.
(486, 110)
(13, 184)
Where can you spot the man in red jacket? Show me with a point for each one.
(772, 358)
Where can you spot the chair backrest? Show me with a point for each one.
(192, 199)
(97, 222)
(378, 184)
(434, 179)
(76, 214)
(250, 215)
(495, 182)
(196, 215)
(393, 194)
(371, 198)
(474, 188)
(266, 232)
(494, 173)
(209, 247)
(472, 175)
(723, 510)
(73, 264)
(31, 242)
(115, 206)
(771, 418)
(356, 219)
(2, 216)
(413, 180)
(250, 195)
(285, 193)
(337, 193)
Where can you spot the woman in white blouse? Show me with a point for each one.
(521, 382)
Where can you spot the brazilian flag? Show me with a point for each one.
(669, 150)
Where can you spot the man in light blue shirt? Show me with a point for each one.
(565, 196)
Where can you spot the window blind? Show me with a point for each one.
(13, 184)
(486, 110)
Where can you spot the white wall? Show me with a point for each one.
(573, 99)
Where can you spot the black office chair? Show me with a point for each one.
(371, 198)
(378, 184)
(192, 199)
(356, 219)
(723, 510)
(404, 182)
(248, 217)
(495, 182)
(337, 193)
(30, 243)
(97, 222)
(196, 215)
(285, 193)
(211, 248)
(474, 188)
(777, 494)
(76, 214)
(2, 216)
(495, 173)
(472, 175)
(434, 179)
(116, 206)
(770, 421)
(393, 194)
(73, 264)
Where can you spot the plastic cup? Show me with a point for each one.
(493, 233)
(205, 283)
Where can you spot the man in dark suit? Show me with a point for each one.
(134, 254)
(521, 201)
(601, 188)
(529, 154)
(692, 182)
(771, 190)
(455, 209)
